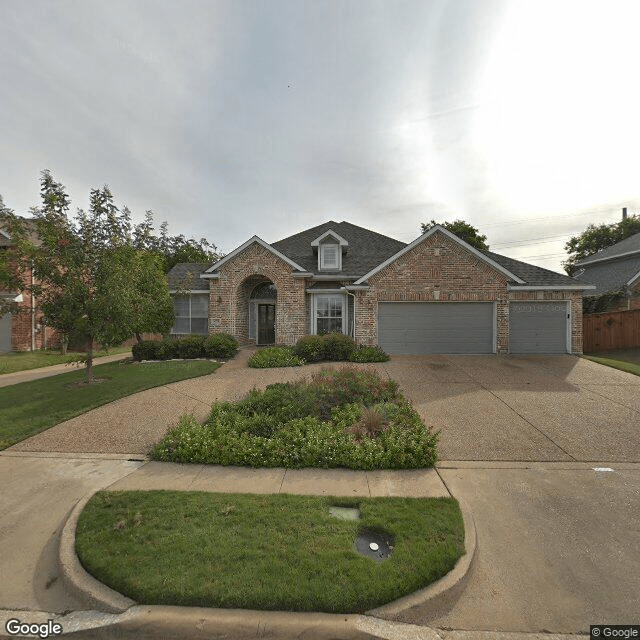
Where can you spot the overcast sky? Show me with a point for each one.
(234, 118)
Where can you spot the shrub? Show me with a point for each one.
(371, 423)
(189, 347)
(145, 350)
(220, 345)
(368, 354)
(351, 384)
(349, 418)
(283, 400)
(310, 348)
(337, 346)
(275, 357)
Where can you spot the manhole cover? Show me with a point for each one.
(378, 546)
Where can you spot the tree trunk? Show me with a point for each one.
(138, 337)
(90, 378)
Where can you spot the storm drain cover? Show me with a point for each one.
(378, 546)
(345, 513)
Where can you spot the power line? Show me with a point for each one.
(543, 240)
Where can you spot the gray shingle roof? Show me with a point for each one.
(186, 274)
(611, 275)
(533, 276)
(367, 249)
(628, 245)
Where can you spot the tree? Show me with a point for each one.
(91, 282)
(172, 249)
(596, 238)
(9, 278)
(153, 306)
(463, 230)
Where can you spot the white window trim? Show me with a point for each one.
(321, 257)
(190, 295)
(314, 310)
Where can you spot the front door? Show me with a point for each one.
(266, 323)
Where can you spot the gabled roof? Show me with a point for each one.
(212, 269)
(628, 246)
(341, 241)
(439, 229)
(187, 273)
(369, 252)
(366, 248)
(611, 275)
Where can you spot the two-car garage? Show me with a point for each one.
(419, 328)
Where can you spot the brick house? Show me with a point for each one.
(437, 294)
(22, 329)
(614, 271)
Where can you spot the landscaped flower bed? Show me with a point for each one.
(333, 347)
(348, 418)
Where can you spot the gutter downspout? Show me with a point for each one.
(353, 295)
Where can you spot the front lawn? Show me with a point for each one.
(25, 360)
(623, 365)
(349, 418)
(31, 407)
(273, 552)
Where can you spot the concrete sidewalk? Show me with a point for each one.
(416, 483)
(7, 379)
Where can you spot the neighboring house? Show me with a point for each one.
(435, 295)
(22, 329)
(614, 271)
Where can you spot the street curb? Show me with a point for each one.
(77, 580)
(322, 625)
(442, 593)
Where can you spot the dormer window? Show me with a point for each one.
(329, 257)
(330, 247)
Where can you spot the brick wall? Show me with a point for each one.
(439, 269)
(229, 294)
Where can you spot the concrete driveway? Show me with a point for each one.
(524, 408)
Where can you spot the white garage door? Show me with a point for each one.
(436, 327)
(539, 327)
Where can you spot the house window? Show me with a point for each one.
(330, 314)
(330, 256)
(192, 313)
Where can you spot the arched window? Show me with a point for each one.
(264, 291)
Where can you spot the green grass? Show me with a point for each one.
(31, 407)
(623, 365)
(25, 360)
(269, 552)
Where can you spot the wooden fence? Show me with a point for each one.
(614, 330)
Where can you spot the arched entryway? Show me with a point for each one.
(262, 313)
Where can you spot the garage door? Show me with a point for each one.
(436, 327)
(5, 333)
(538, 327)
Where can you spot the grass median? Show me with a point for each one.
(31, 407)
(268, 552)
